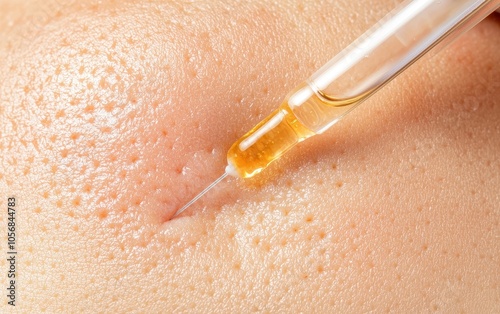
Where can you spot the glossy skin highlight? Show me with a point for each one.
(114, 115)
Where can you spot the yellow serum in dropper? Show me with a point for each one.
(282, 130)
(267, 141)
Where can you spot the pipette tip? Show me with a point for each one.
(197, 197)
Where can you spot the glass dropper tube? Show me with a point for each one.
(370, 62)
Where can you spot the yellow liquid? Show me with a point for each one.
(282, 130)
(286, 132)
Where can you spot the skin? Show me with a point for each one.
(113, 115)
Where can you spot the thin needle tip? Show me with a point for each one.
(197, 197)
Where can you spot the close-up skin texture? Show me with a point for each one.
(114, 114)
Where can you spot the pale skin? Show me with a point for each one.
(114, 115)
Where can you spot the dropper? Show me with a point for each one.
(357, 72)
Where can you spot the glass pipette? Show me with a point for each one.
(371, 61)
